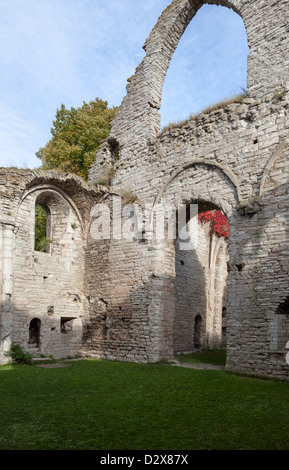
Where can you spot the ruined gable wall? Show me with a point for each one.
(138, 120)
(228, 157)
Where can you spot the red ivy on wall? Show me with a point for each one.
(218, 220)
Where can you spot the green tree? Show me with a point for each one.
(76, 136)
(42, 242)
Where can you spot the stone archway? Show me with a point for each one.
(138, 119)
(34, 333)
(200, 281)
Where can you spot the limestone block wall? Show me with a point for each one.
(234, 157)
(43, 305)
(7, 237)
(49, 286)
(254, 326)
(229, 157)
(191, 290)
(130, 295)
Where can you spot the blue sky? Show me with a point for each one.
(70, 51)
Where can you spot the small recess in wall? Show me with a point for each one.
(50, 310)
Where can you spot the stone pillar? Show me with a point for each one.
(6, 308)
(161, 308)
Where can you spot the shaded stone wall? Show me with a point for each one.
(128, 299)
(43, 289)
(49, 286)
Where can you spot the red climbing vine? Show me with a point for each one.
(218, 220)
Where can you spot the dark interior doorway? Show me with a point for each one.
(34, 333)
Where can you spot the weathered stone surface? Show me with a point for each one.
(235, 158)
(135, 300)
(43, 290)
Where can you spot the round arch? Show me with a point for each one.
(143, 103)
(138, 120)
(202, 161)
(219, 189)
(34, 333)
(166, 35)
(51, 188)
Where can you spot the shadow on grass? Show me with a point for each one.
(212, 356)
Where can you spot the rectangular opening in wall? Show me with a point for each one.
(280, 327)
(66, 325)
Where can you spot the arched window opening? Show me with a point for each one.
(208, 66)
(34, 333)
(42, 239)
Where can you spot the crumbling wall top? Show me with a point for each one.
(137, 122)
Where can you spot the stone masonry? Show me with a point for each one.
(145, 299)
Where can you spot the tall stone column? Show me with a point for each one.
(6, 309)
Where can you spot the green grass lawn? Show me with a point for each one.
(121, 406)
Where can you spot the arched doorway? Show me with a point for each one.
(201, 283)
(34, 333)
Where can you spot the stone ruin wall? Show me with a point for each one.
(234, 158)
(143, 301)
(46, 287)
(242, 152)
(116, 278)
(49, 286)
(138, 120)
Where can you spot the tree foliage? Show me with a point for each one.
(76, 136)
(42, 242)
